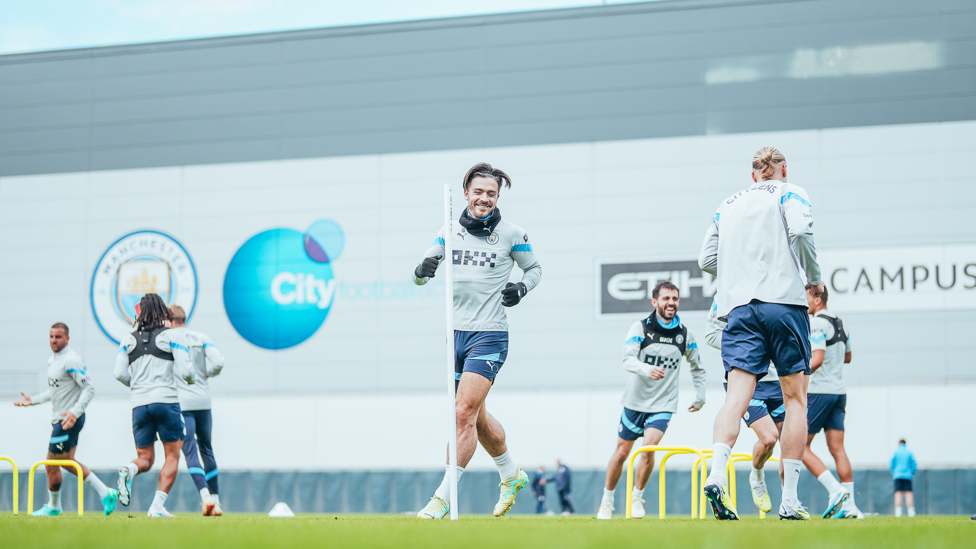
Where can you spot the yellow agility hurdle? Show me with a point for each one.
(59, 463)
(16, 480)
(730, 473)
(672, 450)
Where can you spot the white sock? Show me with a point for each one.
(205, 496)
(607, 496)
(507, 469)
(757, 475)
(911, 511)
(830, 483)
(791, 474)
(638, 494)
(159, 501)
(720, 460)
(216, 498)
(444, 490)
(897, 512)
(133, 470)
(97, 484)
(849, 488)
(54, 499)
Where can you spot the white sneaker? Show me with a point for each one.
(637, 508)
(606, 511)
(566, 513)
(436, 508)
(161, 512)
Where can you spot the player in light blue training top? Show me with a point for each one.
(486, 248)
(148, 362)
(760, 246)
(69, 390)
(195, 406)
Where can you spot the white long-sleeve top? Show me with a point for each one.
(69, 387)
(482, 265)
(207, 362)
(650, 344)
(760, 245)
(152, 380)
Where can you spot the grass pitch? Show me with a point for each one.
(237, 531)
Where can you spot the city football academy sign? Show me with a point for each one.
(134, 265)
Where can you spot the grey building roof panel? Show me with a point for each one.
(659, 69)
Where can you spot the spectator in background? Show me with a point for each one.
(564, 484)
(539, 487)
(903, 469)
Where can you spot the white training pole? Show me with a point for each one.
(451, 389)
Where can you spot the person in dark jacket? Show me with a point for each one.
(564, 485)
(539, 488)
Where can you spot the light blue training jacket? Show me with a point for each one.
(903, 463)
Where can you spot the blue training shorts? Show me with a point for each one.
(633, 423)
(767, 400)
(483, 353)
(63, 439)
(165, 419)
(761, 332)
(825, 412)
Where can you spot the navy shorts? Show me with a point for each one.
(150, 419)
(760, 408)
(903, 485)
(825, 412)
(483, 353)
(767, 400)
(633, 424)
(62, 439)
(762, 332)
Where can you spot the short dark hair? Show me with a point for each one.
(902, 441)
(484, 169)
(60, 326)
(152, 312)
(663, 285)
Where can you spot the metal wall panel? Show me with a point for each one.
(601, 73)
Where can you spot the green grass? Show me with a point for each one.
(246, 531)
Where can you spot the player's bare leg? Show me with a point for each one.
(643, 467)
(768, 433)
(793, 441)
(741, 387)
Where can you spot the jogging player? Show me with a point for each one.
(764, 416)
(195, 406)
(652, 353)
(760, 246)
(146, 362)
(826, 404)
(486, 247)
(69, 390)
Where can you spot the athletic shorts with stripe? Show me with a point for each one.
(63, 439)
(634, 423)
(482, 353)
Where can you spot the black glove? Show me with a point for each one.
(513, 293)
(427, 268)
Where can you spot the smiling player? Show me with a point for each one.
(485, 250)
(652, 352)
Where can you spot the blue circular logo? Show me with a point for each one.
(279, 285)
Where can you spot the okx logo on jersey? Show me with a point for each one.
(279, 285)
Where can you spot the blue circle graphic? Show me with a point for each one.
(324, 241)
(276, 295)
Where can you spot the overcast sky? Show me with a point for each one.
(37, 25)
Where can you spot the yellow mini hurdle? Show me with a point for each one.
(730, 473)
(59, 463)
(672, 451)
(16, 479)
